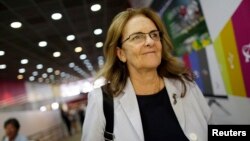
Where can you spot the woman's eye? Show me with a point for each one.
(136, 37)
(154, 35)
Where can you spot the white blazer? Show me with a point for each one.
(192, 112)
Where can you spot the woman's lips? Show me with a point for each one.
(149, 52)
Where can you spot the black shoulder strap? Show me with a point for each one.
(108, 109)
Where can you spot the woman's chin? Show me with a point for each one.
(152, 65)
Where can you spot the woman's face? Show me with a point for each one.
(11, 131)
(144, 54)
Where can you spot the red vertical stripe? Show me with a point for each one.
(241, 25)
(186, 60)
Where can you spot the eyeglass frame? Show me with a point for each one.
(149, 33)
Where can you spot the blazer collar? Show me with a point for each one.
(130, 105)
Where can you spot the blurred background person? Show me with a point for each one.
(73, 117)
(64, 114)
(12, 127)
(81, 113)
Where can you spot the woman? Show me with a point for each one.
(12, 127)
(155, 98)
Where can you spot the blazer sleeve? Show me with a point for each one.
(93, 127)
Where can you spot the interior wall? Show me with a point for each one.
(12, 92)
(235, 109)
(217, 13)
(224, 58)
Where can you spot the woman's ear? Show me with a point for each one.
(120, 54)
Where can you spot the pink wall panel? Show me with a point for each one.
(9, 90)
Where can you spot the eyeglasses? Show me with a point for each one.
(140, 37)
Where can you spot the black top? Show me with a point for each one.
(158, 118)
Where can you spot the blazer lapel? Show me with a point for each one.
(173, 88)
(130, 105)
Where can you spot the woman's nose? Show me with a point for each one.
(148, 40)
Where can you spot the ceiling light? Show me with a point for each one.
(56, 16)
(95, 7)
(98, 31)
(44, 75)
(90, 68)
(55, 105)
(39, 66)
(34, 73)
(42, 44)
(2, 66)
(22, 70)
(31, 78)
(57, 72)
(100, 57)
(19, 76)
(16, 24)
(78, 49)
(67, 75)
(2, 53)
(43, 108)
(52, 77)
(57, 54)
(40, 79)
(24, 61)
(50, 70)
(99, 44)
(70, 37)
(83, 56)
(86, 61)
(71, 65)
(100, 61)
(63, 74)
(76, 68)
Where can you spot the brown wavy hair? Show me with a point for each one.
(116, 73)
